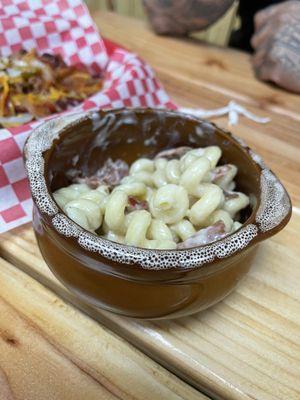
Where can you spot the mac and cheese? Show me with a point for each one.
(179, 199)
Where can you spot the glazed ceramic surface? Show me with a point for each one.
(133, 281)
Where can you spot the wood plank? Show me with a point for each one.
(228, 71)
(247, 346)
(49, 350)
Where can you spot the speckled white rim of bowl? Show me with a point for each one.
(274, 207)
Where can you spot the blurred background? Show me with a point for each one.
(218, 33)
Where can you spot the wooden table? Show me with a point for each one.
(246, 347)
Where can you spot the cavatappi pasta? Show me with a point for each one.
(180, 199)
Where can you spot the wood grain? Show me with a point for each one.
(5, 392)
(49, 350)
(246, 347)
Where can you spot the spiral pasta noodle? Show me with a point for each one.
(170, 203)
(82, 204)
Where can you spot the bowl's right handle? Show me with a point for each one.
(275, 206)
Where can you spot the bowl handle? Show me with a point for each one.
(275, 206)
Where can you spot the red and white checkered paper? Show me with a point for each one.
(64, 27)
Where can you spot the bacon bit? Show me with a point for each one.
(220, 171)
(177, 152)
(136, 204)
(110, 174)
(230, 195)
(205, 236)
(92, 181)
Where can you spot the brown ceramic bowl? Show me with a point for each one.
(132, 281)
